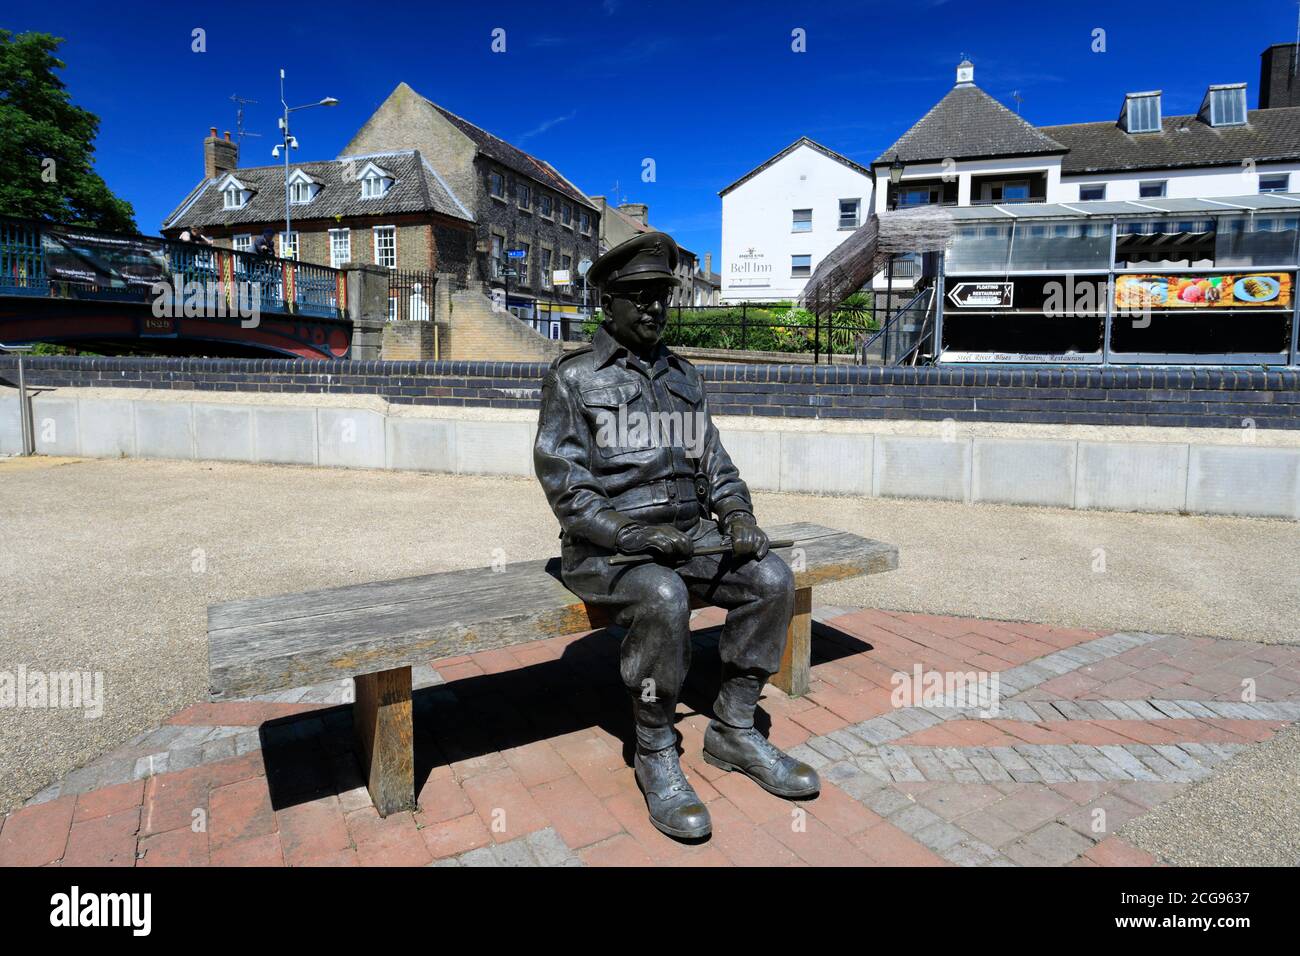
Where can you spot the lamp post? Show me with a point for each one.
(895, 177)
(288, 142)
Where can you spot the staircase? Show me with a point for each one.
(476, 332)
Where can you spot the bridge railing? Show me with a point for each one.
(55, 260)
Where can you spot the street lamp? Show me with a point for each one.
(896, 170)
(288, 143)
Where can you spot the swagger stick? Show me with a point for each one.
(642, 557)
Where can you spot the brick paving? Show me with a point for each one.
(521, 758)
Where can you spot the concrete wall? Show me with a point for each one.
(804, 457)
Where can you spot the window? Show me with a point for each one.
(242, 243)
(340, 247)
(849, 213)
(498, 252)
(386, 246)
(1153, 189)
(1274, 183)
(546, 268)
(301, 191)
(566, 263)
(497, 185)
(233, 197)
(546, 206)
(802, 221)
(1092, 191)
(566, 215)
(584, 223)
(918, 195)
(525, 194)
(800, 266)
(374, 186)
(289, 245)
(1142, 113)
(1227, 105)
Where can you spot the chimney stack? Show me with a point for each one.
(708, 264)
(636, 210)
(965, 73)
(1278, 85)
(220, 156)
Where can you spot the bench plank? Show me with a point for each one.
(270, 643)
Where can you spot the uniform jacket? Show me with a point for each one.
(598, 476)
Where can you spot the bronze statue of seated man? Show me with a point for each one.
(631, 463)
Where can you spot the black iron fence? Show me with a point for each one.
(410, 295)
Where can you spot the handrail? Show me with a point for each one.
(898, 314)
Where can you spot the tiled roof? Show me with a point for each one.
(967, 124)
(512, 157)
(416, 187)
(1272, 134)
(801, 141)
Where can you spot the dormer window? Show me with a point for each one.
(302, 188)
(375, 182)
(1225, 105)
(1141, 113)
(234, 195)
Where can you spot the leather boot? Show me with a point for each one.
(675, 808)
(746, 750)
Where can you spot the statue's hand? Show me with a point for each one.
(662, 539)
(748, 540)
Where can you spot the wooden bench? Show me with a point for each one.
(376, 632)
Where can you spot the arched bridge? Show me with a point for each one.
(118, 293)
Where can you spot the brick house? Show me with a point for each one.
(391, 209)
(700, 285)
(516, 201)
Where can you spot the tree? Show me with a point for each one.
(46, 142)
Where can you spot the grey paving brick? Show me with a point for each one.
(1278, 709)
(482, 856)
(1044, 710)
(547, 847)
(930, 765)
(1071, 710)
(247, 742)
(1171, 710)
(899, 763)
(814, 756)
(1052, 845)
(873, 766)
(1164, 769)
(887, 801)
(1095, 709)
(1226, 751)
(877, 730)
(1121, 710)
(1101, 764)
(1195, 708)
(1015, 765)
(152, 765)
(45, 796)
(422, 675)
(983, 761)
(1181, 758)
(972, 853)
(913, 719)
(446, 861)
(940, 836)
(1201, 753)
(961, 768)
(1055, 664)
(184, 758)
(850, 742)
(222, 749)
(912, 819)
(1049, 771)
(1072, 763)
(1144, 710)
(1127, 762)
(828, 748)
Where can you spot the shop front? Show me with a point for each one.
(1178, 282)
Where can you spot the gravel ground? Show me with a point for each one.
(110, 565)
(1248, 814)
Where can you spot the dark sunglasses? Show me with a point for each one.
(643, 297)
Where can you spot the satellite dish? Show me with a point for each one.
(583, 266)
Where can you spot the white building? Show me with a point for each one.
(782, 217)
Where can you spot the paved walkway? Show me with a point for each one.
(521, 759)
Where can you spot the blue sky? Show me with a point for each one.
(708, 90)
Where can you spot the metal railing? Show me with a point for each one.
(410, 295)
(71, 262)
(905, 330)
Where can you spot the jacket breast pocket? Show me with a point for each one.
(618, 419)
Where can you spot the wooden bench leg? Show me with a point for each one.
(381, 716)
(796, 661)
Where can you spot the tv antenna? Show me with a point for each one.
(1015, 95)
(240, 102)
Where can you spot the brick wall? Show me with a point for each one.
(1219, 398)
